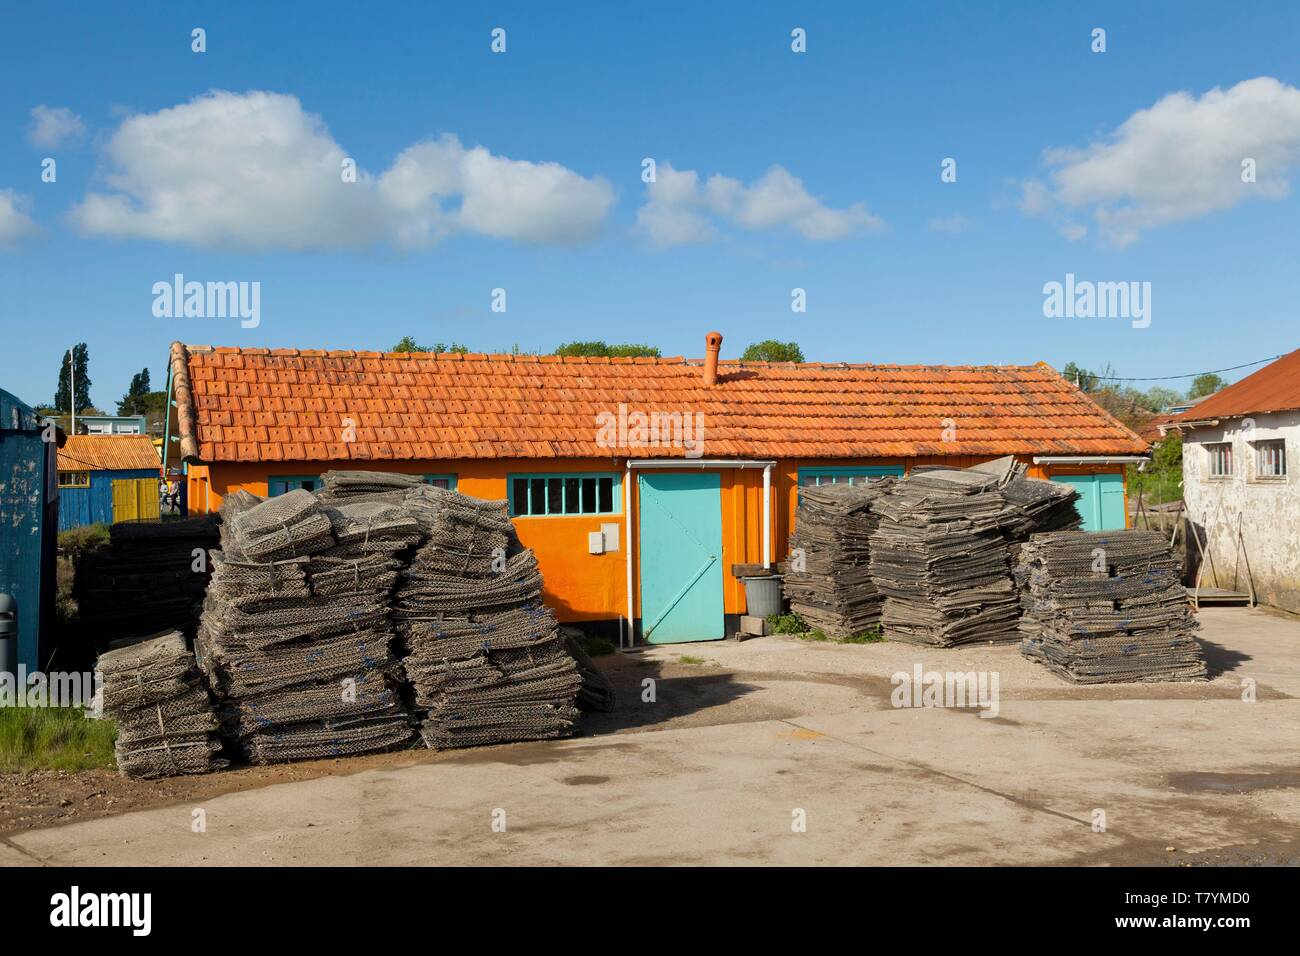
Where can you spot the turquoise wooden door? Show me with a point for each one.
(1101, 500)
(680, 529)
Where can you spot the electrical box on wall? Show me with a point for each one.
(610, 530)
(595, 542)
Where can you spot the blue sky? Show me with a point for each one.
(897, 265)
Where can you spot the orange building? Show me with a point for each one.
(641, 483)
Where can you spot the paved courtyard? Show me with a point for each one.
(783, 751)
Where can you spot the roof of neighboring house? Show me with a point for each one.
(292, 405)
(1274, 388)
(1150, 430)
(108, 453)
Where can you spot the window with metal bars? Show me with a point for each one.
(535, 496)
(1220, 459)
(1270, 459)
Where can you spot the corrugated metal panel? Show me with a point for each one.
(108, 452)
(1274, 388)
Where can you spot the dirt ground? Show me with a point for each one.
(1190, 774)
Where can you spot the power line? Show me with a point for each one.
(1165, 378)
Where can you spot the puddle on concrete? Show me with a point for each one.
(584, 780)
(1202, 782)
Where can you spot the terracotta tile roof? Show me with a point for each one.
(108, 453)
(1274, 388)
(293, 405)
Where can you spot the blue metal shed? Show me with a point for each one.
(29, 505)
(94, 505)
(88, 467)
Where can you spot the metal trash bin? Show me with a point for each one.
(8, 635)
(763, 595)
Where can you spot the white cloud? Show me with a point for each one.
(679, 210)
(499, 197)
(53, 126)
(951, 225)
(15, 224)
(255, 171)
(1180, 159)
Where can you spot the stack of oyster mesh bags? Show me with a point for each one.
(1107, 606)
(295, 635)
(828, 578)
(144, 581)
(941, 553)
(166, 722)
(484, 656)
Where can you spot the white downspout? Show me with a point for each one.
(628, 638)
(767, 517)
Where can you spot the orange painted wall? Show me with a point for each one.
(582, 586)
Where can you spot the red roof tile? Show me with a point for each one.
(423, 405)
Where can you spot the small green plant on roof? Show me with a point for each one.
(786, 624)
(53, 738)
(688, 659)
(770, 350)
(601, 350)
(408, 344)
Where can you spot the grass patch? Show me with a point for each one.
(787, 624)
(53, 738)
(688, 659)
(74, 543)
(88, 537)
(871, 636)
(596, 646)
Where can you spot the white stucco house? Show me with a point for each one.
(1241, 481)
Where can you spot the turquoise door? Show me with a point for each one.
(680, 529)
(1101, 500)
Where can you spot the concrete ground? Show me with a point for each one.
(788, 752)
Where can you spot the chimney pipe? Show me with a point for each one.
(712, 345)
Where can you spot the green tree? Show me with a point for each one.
(408, 344)
(80, 361)
(1203, 385)
(1080, 376)
(133, 402)
(770, 350)
(1162, 479)
(600, 349)
(1158, 398)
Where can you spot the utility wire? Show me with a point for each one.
(1165, 378)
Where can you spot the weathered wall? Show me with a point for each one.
(1266, 510)
(28, 510)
